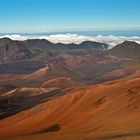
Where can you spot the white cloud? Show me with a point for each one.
(15, 37)
(74, 38)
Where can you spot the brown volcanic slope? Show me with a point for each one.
(108, 111)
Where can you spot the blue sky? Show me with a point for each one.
(68, 15)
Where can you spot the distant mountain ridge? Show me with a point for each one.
(43, 50)
(11, 50)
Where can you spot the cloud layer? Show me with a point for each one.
(74, 38)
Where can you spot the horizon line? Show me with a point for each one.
(73, 30)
